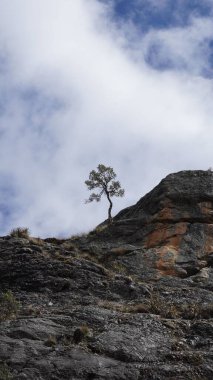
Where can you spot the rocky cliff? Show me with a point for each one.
(173, 224)
(130, 301)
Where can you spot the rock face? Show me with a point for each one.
(173, 223)
(132, 301)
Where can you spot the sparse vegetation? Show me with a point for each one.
(118, 267)
(81, 333)
(5, 373)
(125, 308)
(194, 358)
(69, 246)
(31, 310)
(37, 241)
(62, 258)
(78, 236)
(9, 306)
(54, 241)
(157, 305)
(51, 341)
(98, 229)
(85, 330)
(20, 232)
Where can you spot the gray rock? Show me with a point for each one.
(133, 301)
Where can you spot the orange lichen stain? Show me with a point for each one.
(208, 242)
(166, 261)
(156, 236)
(164, 214)
(206, 208)
(166, 234)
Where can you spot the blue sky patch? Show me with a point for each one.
(147, 14)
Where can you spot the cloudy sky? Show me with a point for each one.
(126, 83)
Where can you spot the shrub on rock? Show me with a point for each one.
(20, 232)
(8, 306)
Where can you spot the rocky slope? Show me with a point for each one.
(130, 301)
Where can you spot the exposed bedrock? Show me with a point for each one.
(173, 224)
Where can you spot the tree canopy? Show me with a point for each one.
(104, 179)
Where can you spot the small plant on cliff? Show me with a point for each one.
(103, 179)
(51, 341)
(20, 232)
(8, 306)
(81, 333)
(4, 372)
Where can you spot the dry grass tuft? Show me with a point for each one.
(20, 232)
(9, 307)
(5, 373)
(51, 341)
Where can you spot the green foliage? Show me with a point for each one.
(51, 341)
(98, 229)
(104, 180)
(4, 372)
(8, 306)
(20, 232)
(85, 330)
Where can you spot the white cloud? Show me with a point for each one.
(187, 48)
(73, 97)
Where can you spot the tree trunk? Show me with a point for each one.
(110, 208)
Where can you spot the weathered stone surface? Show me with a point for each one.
(134, 329)
(132, 302)
(173, 224)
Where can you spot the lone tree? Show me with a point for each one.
(103, 179)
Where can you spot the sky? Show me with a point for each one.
(124, 83)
